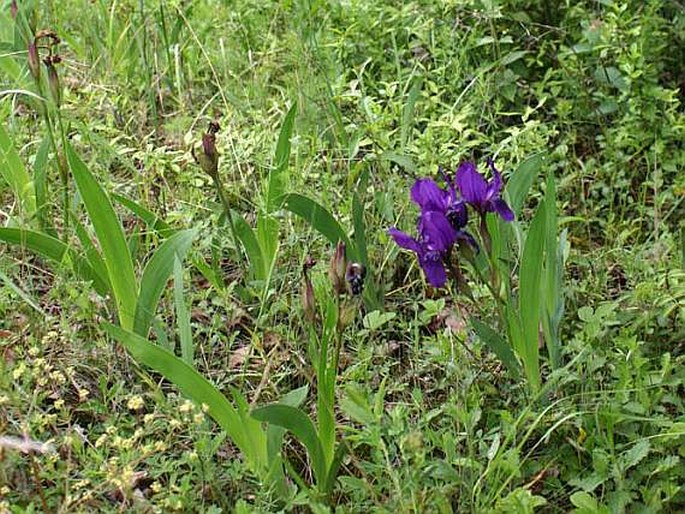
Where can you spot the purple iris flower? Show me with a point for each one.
(443, 216)
(436, 236)
(483, 196)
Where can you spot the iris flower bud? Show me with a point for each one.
(308, 298)
(53, 78)
(34, 60)
(336, 271)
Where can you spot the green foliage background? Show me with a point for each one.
(385, 92)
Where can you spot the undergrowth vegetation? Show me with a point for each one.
(342, 256)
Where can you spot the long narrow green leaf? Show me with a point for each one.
(21, 293)
(408, 112)
(194, 386)
(521, 181)
(551, 291)
(319, 218)
(182, 315)
(296, 421)
(277, 184)
(92, 253)
(248, 239)
(55, 250)
(149, 218)
(15, 174)
(498, 345)
(110, 237)
(530, 297)
(156, 274)
(40, 172)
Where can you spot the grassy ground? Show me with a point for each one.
(385, 92)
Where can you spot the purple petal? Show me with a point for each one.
(428, 195)
(434, 269)
(436, 231)
(501, 207)
(404, 240)
(471, 184)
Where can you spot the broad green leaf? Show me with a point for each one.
(110, 237)
(520, 182)
(320, 219)
(194, 386)
(277, 184)
(498, 345)
(55, 250)
(297, 422)
(156, 275)
(274, 433)
(182, 315)
(530, 295)
(15, 174)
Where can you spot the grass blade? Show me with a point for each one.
(110, 237)
(155, 276)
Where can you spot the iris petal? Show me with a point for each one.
(434, 270)
(437, 231)
(428, 195)
(404, 240)
(471, 184)
(501, 207)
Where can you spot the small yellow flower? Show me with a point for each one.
(186, 406)
(59, 404)
(83, 395)
(135, 403)
(156, 487)
(19, 371)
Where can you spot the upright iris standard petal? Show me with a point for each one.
(483, 196)
(471, 184)
(429, 196)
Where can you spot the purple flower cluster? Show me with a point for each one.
(444, 216)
